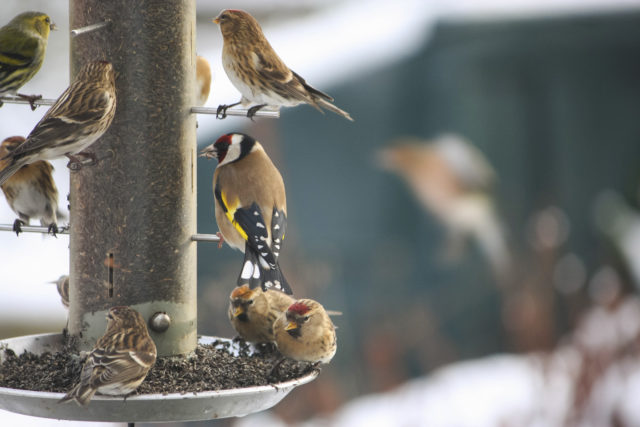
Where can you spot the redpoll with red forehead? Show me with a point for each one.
(253, 311)
(304, 332)
(203, 80)
(31, 191)
(120, 360)
(251, 208)
(257, 71)
(80, 116)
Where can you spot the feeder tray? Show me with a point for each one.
(139, 408)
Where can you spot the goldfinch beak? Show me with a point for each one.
(216, 20)
(238, 311)
(290, 326)
(209, 152)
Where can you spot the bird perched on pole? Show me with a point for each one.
(23, 43)
(253, 311)
(80, 116)
(304, 332)
(250, 207)
(31, 192)
(62, 284)
(257, 71)
(120, 360)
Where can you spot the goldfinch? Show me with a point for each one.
(253, 311)
(120, 360)
(80, 116)
(23, 43)
(31, 192)
(304, 332)
(256, 70)
(250, 207)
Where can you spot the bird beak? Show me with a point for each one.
(238, 311)
(53, 26)
(216, 20)
(209, 152)
(290, 326)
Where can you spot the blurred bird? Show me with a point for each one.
(31, 191)
(304, 332)
(452, 179)
(120, 360)
(203, 80)
(251, 207)
(257, 71)
(80, 116)
(253, 311)
(23, 43)
(63, 289)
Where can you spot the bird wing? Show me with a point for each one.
(278, 228)
(119, 366)
(250, 219)
(16, 50)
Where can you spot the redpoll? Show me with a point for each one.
(120, 360)
(31, 191)
(257, 71)
(23, 43)
(80, 116)
(251, 207)
(253, 311)
(62, 284)
(304, 332)
(203, 80)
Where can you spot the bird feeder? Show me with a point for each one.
(133, 214)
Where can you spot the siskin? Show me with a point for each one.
(31, 191)
(253, 311)
(120, 360)
(23, 43)
(257, 71)
(80, 116)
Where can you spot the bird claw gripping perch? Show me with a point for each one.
(17, 226)
(75, 164)
(32, 99)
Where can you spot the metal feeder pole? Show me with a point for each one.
(133, 213)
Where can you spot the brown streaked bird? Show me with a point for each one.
(62, 284)
(253, 311)
(203, 80)
(80, 116)
(31, 192)
(120, 360)
(304, 332)
(250, 207)
(256, 70)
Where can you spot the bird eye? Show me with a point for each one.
(250, 301)
(47, 20)
(223, 17)
(305, 318)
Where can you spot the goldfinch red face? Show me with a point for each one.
(229, 148)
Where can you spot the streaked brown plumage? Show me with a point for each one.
(62, 284)
(80, 116)
(256, 70)
(120, 360)
(250, 207)
(31, 192)
(304, 332)
(253, 311)
(203, 80)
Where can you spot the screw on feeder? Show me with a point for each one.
(90, 28)
(159, 321)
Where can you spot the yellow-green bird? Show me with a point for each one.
(23, 42)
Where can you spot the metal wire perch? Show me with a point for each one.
(90, 28)
(236, 112)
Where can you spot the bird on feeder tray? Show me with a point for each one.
(80, 116)
(31, 192)
(305, 333)
(23, 43)
(253, 311)
(120, 360)
(256, 70)
(250, 208)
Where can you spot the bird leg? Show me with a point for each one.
(75, 164)
(17, 226)
(253, 110)
(31, 99)
(221, 112)
(53, 229)
(221, 241)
